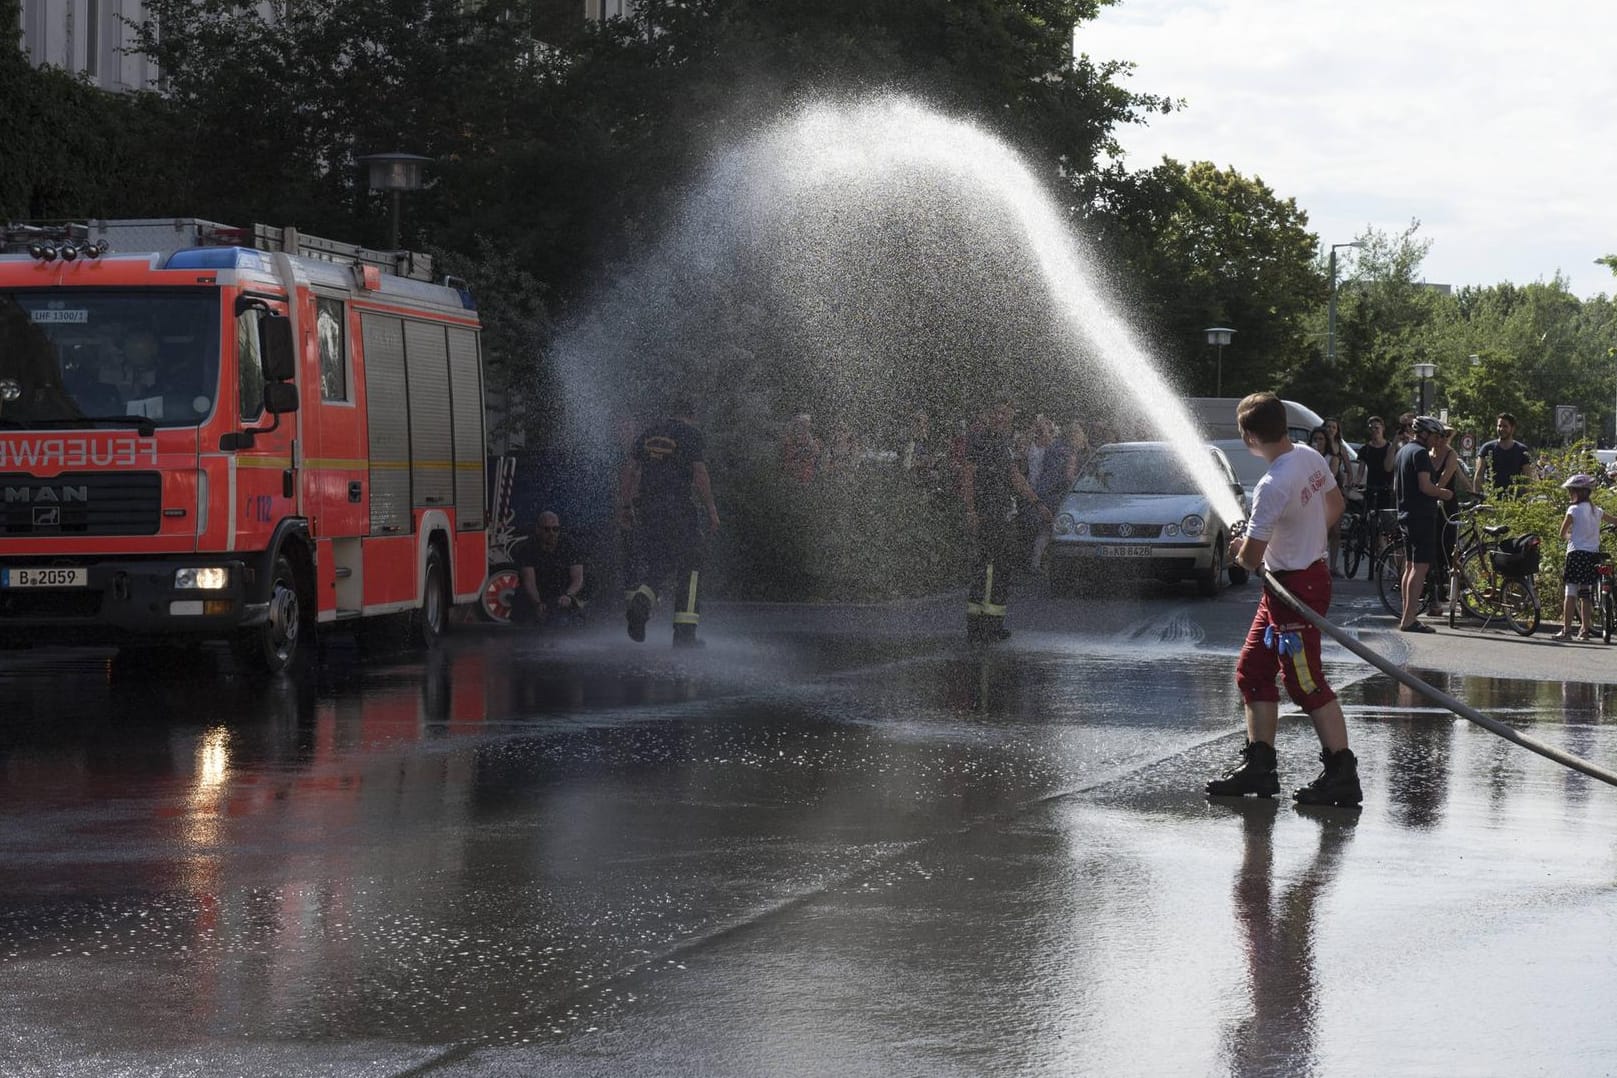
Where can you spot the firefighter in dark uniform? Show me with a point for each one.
(665, 464)
(990, 483)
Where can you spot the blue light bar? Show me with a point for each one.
(215, 258)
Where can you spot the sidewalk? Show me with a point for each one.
(1470, 649)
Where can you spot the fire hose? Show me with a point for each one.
(1431, 692)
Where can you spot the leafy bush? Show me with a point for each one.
(1538, 506)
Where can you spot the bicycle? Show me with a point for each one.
(1388, 568)
(1358, 537)
(1605, 601)
(1491, 576)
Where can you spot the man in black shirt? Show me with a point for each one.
(989, 485)
(1418, 495)
(1377, 454)
(1503, 460)
(552, 573)
(666, 462)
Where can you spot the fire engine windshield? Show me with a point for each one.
(108, 356)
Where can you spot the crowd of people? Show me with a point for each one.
(1008, 478)
(1048, 455)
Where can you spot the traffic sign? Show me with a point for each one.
(1566, 418)
(1468, 443)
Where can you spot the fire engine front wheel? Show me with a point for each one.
(273, 646)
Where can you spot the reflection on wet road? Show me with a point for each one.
(853, 852)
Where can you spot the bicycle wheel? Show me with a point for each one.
(1353, 547)
(1390, 582)
(1479, 596)
(1520, 606)
(1607, 612)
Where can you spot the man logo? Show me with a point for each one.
(47, 516)
(660, 447)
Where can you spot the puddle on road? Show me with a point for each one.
(507, 844)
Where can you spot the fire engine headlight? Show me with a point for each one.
(1193, 525)
(1064, 524)
(210, 579)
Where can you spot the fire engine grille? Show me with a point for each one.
(83, 503)
(50, 604)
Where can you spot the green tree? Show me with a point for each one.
(1535, 345)
(1205, 246)
(1382, 307)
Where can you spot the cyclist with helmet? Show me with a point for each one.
(1581, 530)
(1415, 487)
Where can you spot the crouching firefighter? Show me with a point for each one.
(663, 524)
(990, 482)
(1294, 506)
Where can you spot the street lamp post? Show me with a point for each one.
(395, 173)
(1330, 318)
(1425, 372)
(1219, 336)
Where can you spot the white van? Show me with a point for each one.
(1216, 417)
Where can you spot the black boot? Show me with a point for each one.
(1337, 784)
(1255, 774)
(638, 613)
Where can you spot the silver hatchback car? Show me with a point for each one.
(1133, 510)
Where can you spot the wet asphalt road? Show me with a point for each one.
(837, 841)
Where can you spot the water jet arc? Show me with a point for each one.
(839, 146)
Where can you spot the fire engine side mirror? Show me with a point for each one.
(280, 397)
(277, 349)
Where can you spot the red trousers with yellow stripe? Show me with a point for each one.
(1300, 669)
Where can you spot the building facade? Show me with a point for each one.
(608, 9)
(94, 38)
(90, 38)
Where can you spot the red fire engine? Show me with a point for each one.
(233, 433)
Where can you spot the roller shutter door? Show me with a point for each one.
(432, 449)
(466, 391)
(387, 423)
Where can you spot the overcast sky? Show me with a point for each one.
(1493, 123)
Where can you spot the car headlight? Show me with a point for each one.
(1170, 529)
(1063, 524)
(1080, 528)
(1193, 525)
(213, 578)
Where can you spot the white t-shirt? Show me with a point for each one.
(1035, 464)
(1288, 509)
(1585, 534)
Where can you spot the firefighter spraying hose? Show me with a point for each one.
(1436, 695)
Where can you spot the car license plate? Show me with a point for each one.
(1123, 551)
(44, 578)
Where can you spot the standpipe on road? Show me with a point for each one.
(1431, 692)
